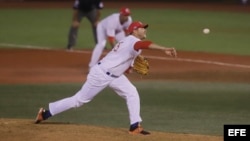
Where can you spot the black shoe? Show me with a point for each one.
(138, 130)
(69, 47)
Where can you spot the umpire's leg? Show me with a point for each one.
(72, 36)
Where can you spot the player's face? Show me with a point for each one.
(142, 33)
(123, 19)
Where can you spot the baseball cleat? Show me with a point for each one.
(39, 116)
(69, 48)
(139, 130)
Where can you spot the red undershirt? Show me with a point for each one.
(142, 45)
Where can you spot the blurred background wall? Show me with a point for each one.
(221, 1)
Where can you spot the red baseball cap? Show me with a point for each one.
(125, 11)
(136, 25)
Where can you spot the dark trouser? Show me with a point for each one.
(77, 17)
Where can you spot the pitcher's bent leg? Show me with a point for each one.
(124, 88)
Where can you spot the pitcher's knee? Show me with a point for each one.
(133, 93)
(133, 89)
(78, 102)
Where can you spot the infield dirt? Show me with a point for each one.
(21, 130)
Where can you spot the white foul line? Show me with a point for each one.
(200, 61)
(39, 48)
(152, 57)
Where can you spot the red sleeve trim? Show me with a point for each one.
(142, 45)
(111, 39)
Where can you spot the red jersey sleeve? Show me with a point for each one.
(142, 45)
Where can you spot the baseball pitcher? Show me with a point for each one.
(109, 72)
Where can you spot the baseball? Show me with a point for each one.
(206, 30)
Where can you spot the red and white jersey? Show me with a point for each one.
(112, 24)
(121, 57)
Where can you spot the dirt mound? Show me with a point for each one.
(25, 129)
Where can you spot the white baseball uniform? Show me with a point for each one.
(108, 72)
(108, 27)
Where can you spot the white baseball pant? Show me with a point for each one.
(97, 80)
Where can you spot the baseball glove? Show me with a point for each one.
(141, 65)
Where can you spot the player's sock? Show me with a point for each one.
(134, 126)
(46, 114)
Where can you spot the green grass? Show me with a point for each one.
(230, 32)
(169, 106)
